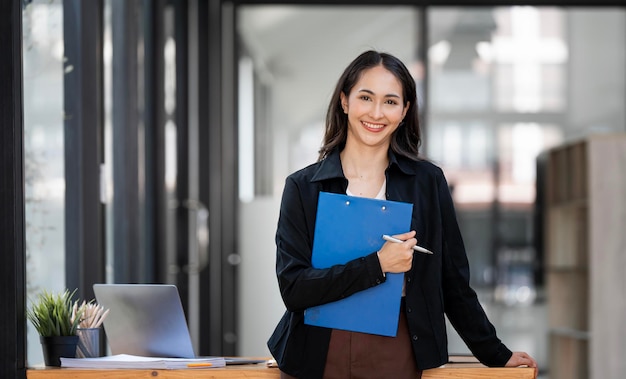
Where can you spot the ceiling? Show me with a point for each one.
(300, 51)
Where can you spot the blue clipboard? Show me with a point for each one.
(347, 228)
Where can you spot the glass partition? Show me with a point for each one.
(506, 84)
(43, 154)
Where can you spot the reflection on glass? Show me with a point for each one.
(529, 46)
(490, 67)
(43, 153)
(246, 129)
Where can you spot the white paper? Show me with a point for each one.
(136, 362)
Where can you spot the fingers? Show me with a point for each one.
(401, 241)
(405, 236)
(532, 362)
(527, 360)
(521, 359)
(408, 238)
(398, 257)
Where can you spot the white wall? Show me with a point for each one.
(260, 303)
(597, 82)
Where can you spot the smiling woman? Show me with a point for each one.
(371, 149)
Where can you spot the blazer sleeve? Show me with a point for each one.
(302, 286)
(460, 301)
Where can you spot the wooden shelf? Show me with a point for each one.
(568, 169)
(572, 357)
(567, 238)
(585, 250)
(568, 296)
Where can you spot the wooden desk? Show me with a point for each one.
(259, 371)
(467, 371)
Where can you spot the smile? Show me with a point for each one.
(371, 126)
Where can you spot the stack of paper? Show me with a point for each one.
(138, 362)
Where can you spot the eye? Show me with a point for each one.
(391, 102)
(364, 97)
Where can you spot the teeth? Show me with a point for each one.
(373, 126)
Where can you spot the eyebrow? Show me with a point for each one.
(372, 93)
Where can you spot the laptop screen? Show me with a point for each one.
(145, 319)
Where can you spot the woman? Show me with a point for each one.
(370, 149)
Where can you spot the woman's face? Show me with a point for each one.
(374, 107)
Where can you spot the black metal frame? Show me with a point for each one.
(154, 124)
(127, 255)
(218, 176)
(83, 94)
(229, 174)
(209, 26)
(12, 238)
(181, 217)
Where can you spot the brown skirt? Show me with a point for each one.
(354, 355)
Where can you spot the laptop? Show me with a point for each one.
(148, 320)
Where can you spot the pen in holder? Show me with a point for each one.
(88, 342)
(89, 331)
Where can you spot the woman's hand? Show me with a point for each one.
(521, 359)
(398, 257)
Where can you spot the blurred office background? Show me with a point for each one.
(188, 116)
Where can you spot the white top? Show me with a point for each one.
(379, 196)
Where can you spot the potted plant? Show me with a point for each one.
(51, 315)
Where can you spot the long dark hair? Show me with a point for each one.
(406, 140)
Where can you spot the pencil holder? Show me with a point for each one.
(88, 342)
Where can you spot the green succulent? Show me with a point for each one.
(51, 314)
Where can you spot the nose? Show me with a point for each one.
(376, 111)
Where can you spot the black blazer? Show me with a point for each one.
(436, 284)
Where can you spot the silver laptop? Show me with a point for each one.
(145, 319)
(148, 320)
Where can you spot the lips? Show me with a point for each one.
(373, 127)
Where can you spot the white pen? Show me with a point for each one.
(416, 248)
